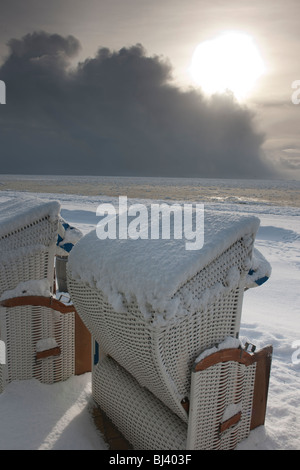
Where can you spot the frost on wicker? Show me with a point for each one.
(144, 381)
(28, 232)
(160, 357)
(28, 235)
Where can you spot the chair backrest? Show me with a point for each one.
(22, 329)
(28, 234)
(160, 354)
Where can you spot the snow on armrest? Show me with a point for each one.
(35, 287)
(34, 292)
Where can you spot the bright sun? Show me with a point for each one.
(231, 61)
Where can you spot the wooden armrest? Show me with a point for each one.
(48, 353)
(38, 300)
(234, 354)
(82, 335)
(230, 422)
(263, 359)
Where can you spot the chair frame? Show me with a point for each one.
(147, 424)
(146, 381)
(28, 249)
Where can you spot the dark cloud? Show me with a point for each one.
(40, 44)
(116, 114)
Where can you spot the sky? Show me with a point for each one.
(103, 87)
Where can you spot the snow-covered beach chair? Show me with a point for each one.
(154, 308)
(36, 329)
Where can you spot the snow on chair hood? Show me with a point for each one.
(151, 271)
(16, 213)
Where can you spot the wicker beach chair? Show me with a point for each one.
(228, 397)
(153, 308)
(36, 329)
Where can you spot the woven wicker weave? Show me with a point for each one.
(143, 419)
(35, 263)
(27, 250)
(160, 357)
(149, 425)
(27, 247)
(146, 380)
(34, 223)
(213, 390)
(21, 329)
(42, 231)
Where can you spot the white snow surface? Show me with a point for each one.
(38, 416)
(33, 287)
(228, 343)
(231, 410)
(45, 344)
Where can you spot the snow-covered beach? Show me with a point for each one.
(37, 416)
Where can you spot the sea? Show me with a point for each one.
(283, 193)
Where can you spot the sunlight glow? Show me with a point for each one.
(229, 62)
